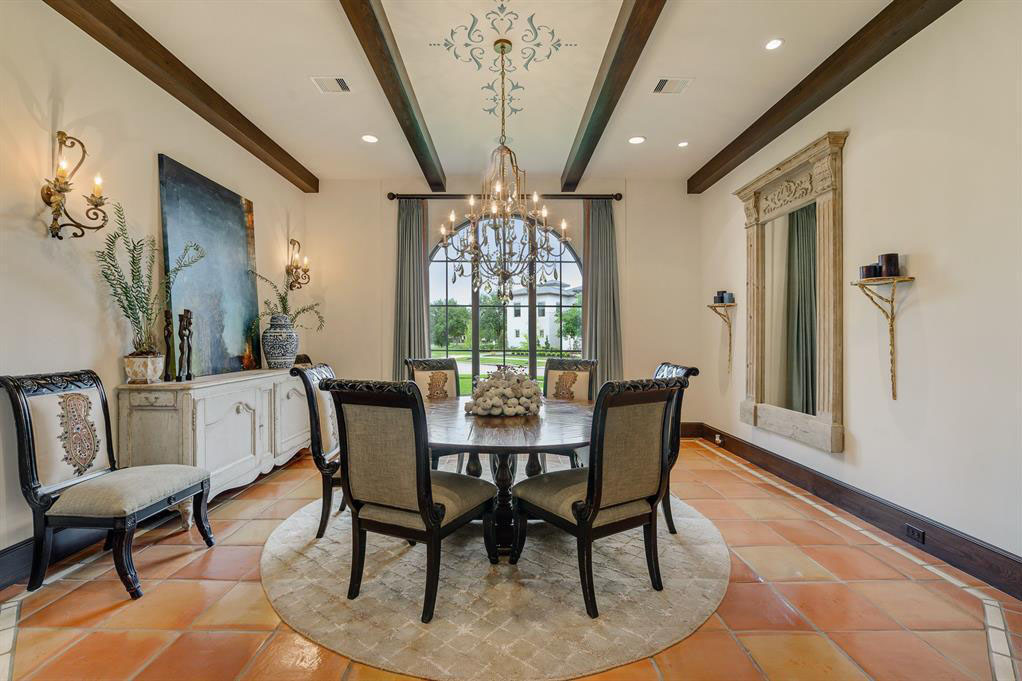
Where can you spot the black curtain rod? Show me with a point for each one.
(552, 197)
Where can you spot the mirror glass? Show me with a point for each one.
(789, 353)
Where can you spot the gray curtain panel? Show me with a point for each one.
(801, 335)
(410, 336)
(602, 307)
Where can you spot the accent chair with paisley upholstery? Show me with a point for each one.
(438, 379)
(627, 477)
(569, 379)
(668, 370)
(391, 490)
(69, 475)
(323, 439)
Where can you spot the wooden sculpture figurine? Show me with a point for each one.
(184, 332)
(168, 340)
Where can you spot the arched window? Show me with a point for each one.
(542, 320)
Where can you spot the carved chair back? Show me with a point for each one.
(384, 447)
(323, 438)
(668, 370)
(569, 379)
(437, 378)
(630, 445)
(63, 431)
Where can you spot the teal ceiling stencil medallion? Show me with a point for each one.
(467, 43)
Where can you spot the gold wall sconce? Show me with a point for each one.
(297, 272)
(54, 193)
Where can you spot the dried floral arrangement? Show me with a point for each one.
(506, 392)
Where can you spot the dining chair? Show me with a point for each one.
(385, 472)
(569, 379)
(438, 379)
(69, 474)
(668, 370)
(323, 441)
(626, 478)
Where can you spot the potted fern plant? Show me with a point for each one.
(135, 295)
(280, 340)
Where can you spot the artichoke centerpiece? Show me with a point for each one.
(505, 392)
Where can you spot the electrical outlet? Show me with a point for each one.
(718, 440)
(915, 534)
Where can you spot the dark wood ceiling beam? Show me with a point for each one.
(116, 31)
(895, 24)
(373, 30)
(634, 24)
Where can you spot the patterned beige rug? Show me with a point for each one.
(524, 621)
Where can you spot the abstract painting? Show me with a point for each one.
(220, 290)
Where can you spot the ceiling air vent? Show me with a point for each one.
(330, 84)
(671, 86)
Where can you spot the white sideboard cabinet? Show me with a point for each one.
(234, 425)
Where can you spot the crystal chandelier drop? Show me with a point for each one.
(507, 241)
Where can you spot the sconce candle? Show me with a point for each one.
(54, 194)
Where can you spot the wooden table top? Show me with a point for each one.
(560, 425)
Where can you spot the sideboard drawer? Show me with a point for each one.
(156, 399)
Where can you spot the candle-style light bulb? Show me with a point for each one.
(97, 186)
(62, 170)
(493, 207)
(543, 212)
(452, 218)
(535, 198)
(564, 225)
(471, 200)
(496, 187)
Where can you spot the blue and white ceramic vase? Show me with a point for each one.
(280, 342)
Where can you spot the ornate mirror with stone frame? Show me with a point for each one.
(793, 235)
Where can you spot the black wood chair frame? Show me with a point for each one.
(612, 394)
(311, 377)
(668, 370)
(568, 364)
(121, 529)
(443, 364)
(402, 395)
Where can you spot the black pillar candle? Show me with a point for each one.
(889, 265)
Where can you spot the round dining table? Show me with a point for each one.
(560, 427)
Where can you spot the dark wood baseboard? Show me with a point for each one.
(984, 561)
(16, 560)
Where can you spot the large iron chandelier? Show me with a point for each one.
(507, 241)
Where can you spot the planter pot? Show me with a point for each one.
(143, 368)
(280, 343)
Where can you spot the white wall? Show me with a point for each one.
(932, 170)
(56, 311)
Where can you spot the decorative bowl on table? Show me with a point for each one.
(506, 392)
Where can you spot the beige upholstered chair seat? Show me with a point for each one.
(556, 493)
(458, 493)
(125, 490)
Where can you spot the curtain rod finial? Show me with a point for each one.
(391, 195)
(618, 196)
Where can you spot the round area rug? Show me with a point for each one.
(524, 621)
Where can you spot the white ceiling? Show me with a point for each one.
(718, 43)
(260, 57)
(447, 48)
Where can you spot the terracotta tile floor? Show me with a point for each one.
(811, 598)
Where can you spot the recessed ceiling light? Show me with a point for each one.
(774, 44)
(372, 139)
(682, 144)
(636, 140)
